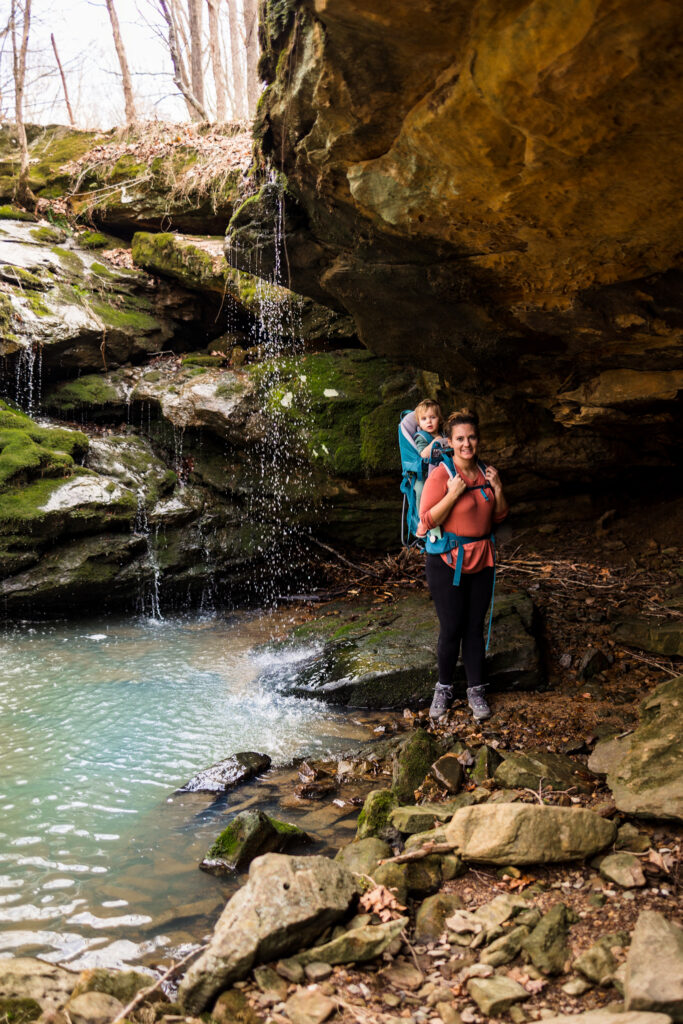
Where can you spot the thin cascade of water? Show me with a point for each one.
(28, 379)
(207, 601)
(149, 604)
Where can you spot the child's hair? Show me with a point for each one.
(462, 416)
(429, 403)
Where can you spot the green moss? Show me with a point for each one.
(6, 314)
(226, 845)
(196, 359)
(373, 820)
(88, 391)
(28, 451)
(95, 240)
(194, 266)
(45, 234)
(37, 305)
(23, 277)
(133, 319)
(19, 1010)
(15, 213)
(286, 830)
(69, 260)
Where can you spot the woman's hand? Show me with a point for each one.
(493, 478)
(456, 486)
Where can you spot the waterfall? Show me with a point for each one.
(149, 603)
(28, 378)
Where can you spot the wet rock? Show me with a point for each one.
(624, 869)
(546, 946)
(271, 983)
(356, 945)
(654, 967)
(360, 665)
(644, 769)
(448, 772)
(363, 856)
(373, 820)
(432, 913)
(506, 948)
(527, 833)
(232, 1007)
(653, 635)
(248, 835)
(93, 1008)
(411, 764)
(495, 995)
(286, 903)
(597, 963)
(540, 767)
(309, 1007)
(27, 978)
(123, 985)
(226, 774)
(486, 761)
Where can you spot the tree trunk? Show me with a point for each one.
(194, 8)
(250, 13)
(131, 116)
(216, 62)
(237, 63)
(194, 106)
(22, 192)
(63, 78)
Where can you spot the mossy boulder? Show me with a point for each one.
(363, 855)
(373, 820)
(250, 834)
(29, 451)
(411, 764)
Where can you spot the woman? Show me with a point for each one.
(468, 505)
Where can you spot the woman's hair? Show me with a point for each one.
(462, 416)
(429, 403)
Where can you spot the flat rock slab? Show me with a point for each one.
(286, 903)
(655, 636)
(654, 968)
(527, 833)
(609, 1017)
(536, 768)
(364, 658)
(227, 774)
(645, 770)
(356, 945)
(28, 978)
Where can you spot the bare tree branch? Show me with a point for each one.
(63, 77)
(194, 104)
(216, 61)
(129, 102)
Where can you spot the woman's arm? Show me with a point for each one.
(433, 513)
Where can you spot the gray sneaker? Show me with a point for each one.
(441, 701)
(476, 701)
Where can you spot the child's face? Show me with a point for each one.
(428, 421)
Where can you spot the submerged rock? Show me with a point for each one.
(286, 904)
(527, 833)
(644, 770)
(227, 774)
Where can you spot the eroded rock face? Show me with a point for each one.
(479, 187)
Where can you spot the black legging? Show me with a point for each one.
(461, 611)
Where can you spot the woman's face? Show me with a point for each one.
(464, 441)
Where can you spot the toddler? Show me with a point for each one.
(429, 421)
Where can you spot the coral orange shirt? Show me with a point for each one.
(471, 516)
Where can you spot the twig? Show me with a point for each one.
(648, 661)
(412, 951)
(143, 993)
(352, 565)
(424, 851)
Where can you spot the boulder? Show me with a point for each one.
(286, 903)
(448, 772)
(644, 770)
(624, 869)
(355, 945)
(495, 995)
(373, 820)
(654, 635)
(248, 835)
(540, 767)
(411, 764)
(430, 919)
(411, 820)
(597, 963)
(527, 833)
(28, 978)
(546, 946)
(228, 773)
(654, 967)
(363, 856)
(93, 1008)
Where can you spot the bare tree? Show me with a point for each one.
(250, 36)
(126, 80)
(63, 77)
(195, 105)
(216, 61)
(194, 9)
(22, 191)
(237, 63)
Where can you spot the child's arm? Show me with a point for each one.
(425, 447)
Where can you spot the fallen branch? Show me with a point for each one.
(424, 851)
(143, 993)
(649, 661)
(352, 565)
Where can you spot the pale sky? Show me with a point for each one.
(86, 49)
